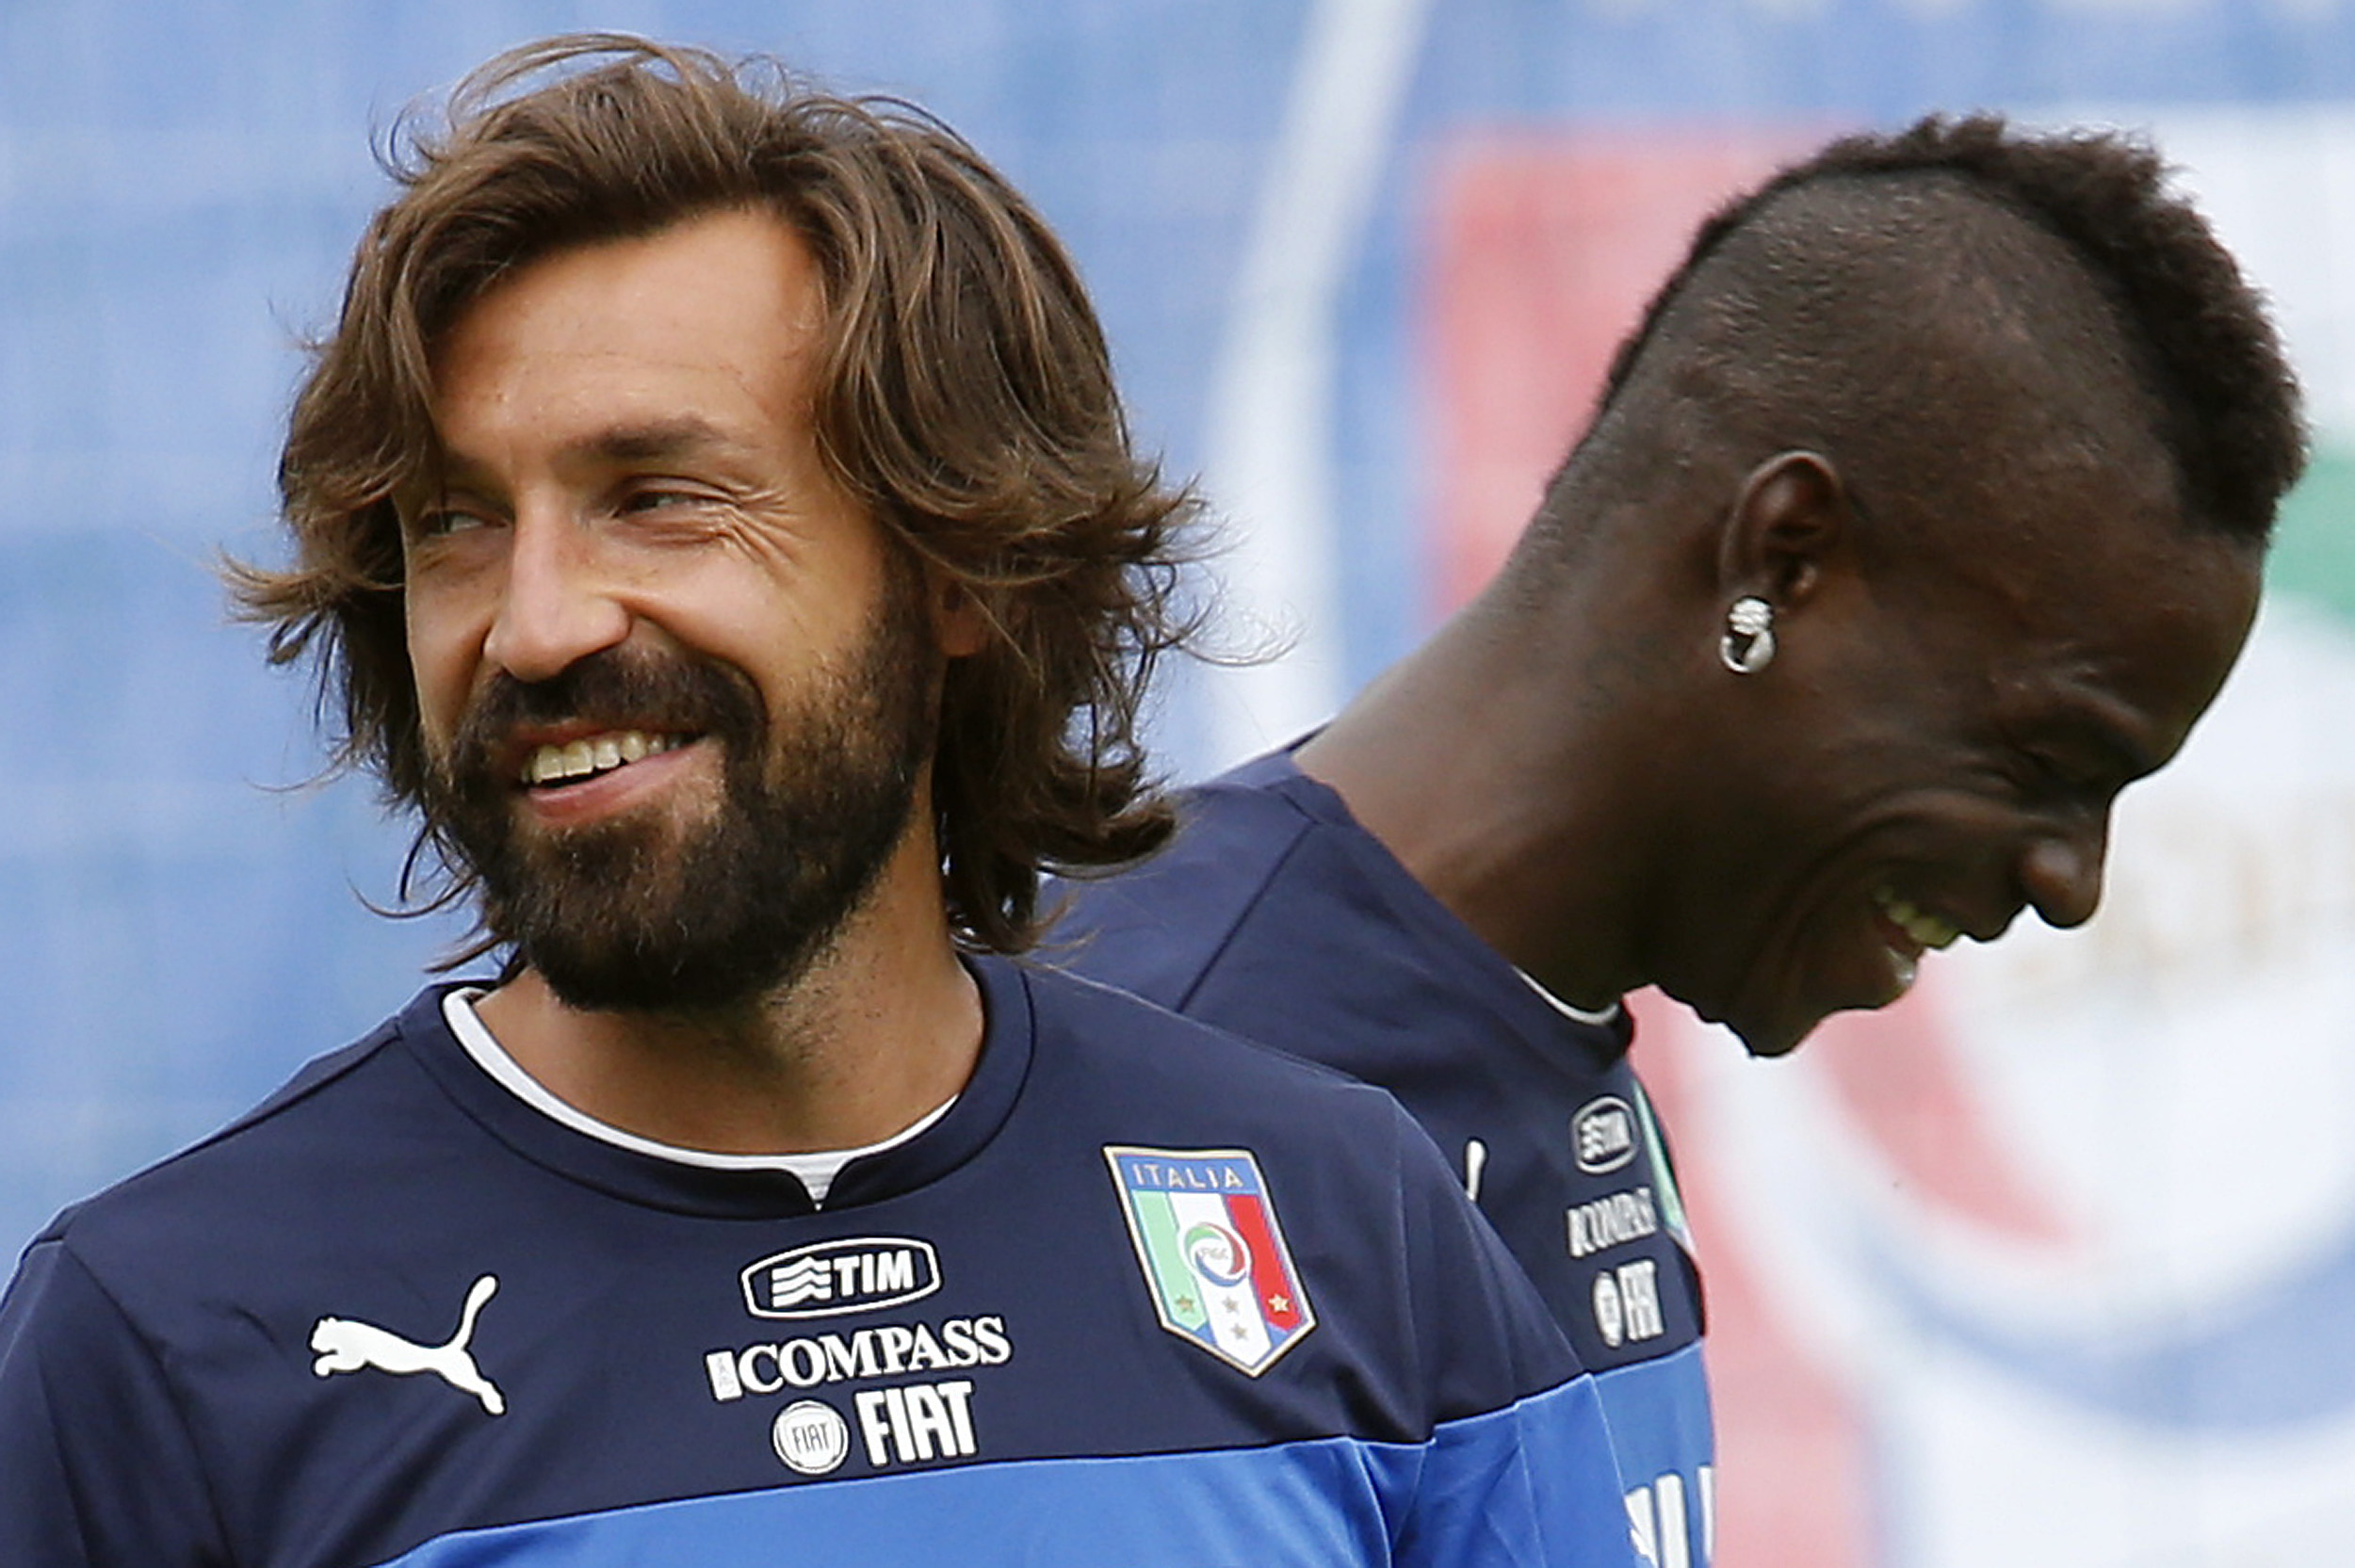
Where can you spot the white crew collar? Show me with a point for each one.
(815, 1171)
(1578, 1015)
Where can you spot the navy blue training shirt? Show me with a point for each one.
(1145, 1294)
(1277, 916)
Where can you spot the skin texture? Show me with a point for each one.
(630, 473)
(1950, 714)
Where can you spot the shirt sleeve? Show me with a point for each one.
(100, 1470)
(1531, 1479)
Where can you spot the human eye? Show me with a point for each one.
(2054, 773)
(659, 496)
(2087, 769)
(665, 511)
(443, 519)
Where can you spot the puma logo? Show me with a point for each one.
(345, 1346)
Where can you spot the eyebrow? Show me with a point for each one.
(2098, 721)
(649, 441)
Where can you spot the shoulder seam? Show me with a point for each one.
(278, 1102)
(163, 1374)
(1226, 943)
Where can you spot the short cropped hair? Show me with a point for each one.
(1859, 249)
(963, 395)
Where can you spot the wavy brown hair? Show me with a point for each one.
(963, 395)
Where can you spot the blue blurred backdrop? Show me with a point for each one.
(183, 906)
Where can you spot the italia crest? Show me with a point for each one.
(1212, 1252)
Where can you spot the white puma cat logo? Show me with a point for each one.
(345, 1346)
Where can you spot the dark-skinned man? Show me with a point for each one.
(1924, 511)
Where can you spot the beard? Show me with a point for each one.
(646, 914)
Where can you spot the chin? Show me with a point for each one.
(1779, 1037)
(1761, 1034)
(1779, 1040)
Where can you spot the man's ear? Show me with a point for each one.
(961, 627)
(1790, 521)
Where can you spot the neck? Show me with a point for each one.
(1484, 762)
(880, 1029)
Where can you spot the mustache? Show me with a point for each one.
(614, 688)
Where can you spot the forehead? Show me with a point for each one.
(2116, 608)
(722, 309)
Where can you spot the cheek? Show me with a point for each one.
(440, 672)
(781, 632)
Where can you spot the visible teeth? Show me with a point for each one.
(1925, 928)
(597, 755)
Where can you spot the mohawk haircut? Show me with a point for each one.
(2196, 336)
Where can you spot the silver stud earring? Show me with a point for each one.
(1749, 645)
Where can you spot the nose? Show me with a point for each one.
(2061, 872)
(554, 606)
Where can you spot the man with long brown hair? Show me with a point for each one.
(713, 517)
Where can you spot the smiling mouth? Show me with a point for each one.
(1926, 930)
(593, 755)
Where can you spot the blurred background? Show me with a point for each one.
(2054, 1264)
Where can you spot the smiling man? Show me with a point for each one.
(712, 515)
(1922, 513)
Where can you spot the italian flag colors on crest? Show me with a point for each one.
(1212, 1252)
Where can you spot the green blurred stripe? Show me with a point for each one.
(2313, 546)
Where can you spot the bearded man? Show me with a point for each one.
(712, 515)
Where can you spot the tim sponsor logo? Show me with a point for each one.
(1602, 1135)
(855, 1274)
